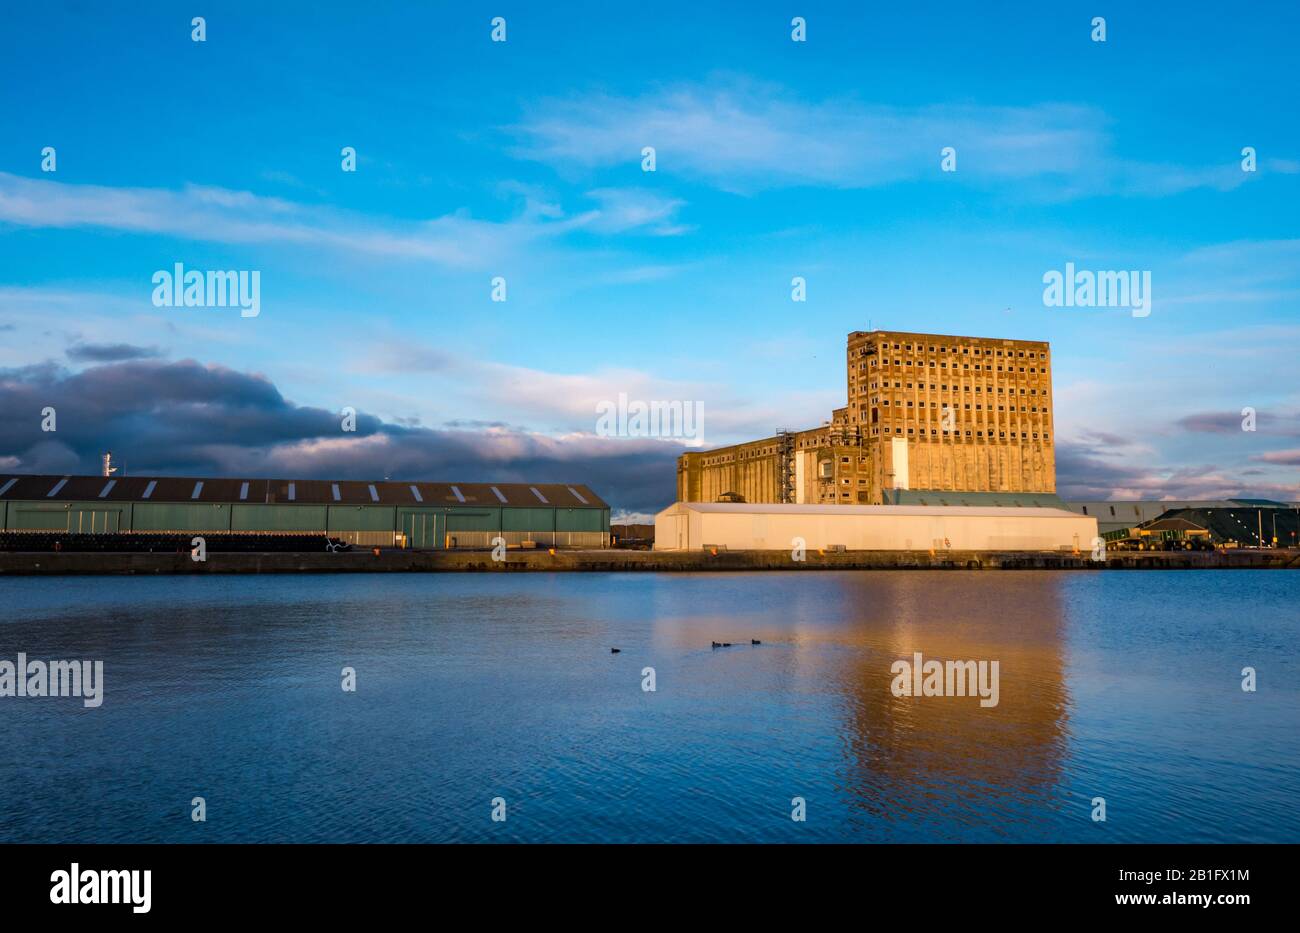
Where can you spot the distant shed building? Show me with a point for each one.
(754, 526)
(416, 515)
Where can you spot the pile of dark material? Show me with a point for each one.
(165, 543)
(1243, 526)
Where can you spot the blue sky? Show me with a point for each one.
(522, 159)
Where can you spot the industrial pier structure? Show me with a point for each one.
(381, 514)
(925, 412)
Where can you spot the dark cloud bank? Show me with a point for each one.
(110, 352)
(187, 418)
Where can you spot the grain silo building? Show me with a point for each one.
(925, 412)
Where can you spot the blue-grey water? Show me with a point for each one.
(1120, 685)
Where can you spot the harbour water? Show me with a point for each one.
(471, 687)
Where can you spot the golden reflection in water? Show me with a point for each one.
(909, 757)
(904, 760)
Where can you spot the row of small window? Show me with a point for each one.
(1023, 409)
(822, 440)
(985, 418)
(977, 392)
(966, 406)
(733, 458)
(968, 351)
(944, 365)
(1022, 435)
(943, 387)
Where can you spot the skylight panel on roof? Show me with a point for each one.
(108, 487)
(498, 494)
(57, 486)
(455, 491)
(198, 489)
(577, 495)
(415, 492)
(148, 490)
(538, 493)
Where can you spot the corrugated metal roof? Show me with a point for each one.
(60, 488)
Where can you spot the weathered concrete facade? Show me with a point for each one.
(924, 411)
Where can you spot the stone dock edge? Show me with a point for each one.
(619, 561)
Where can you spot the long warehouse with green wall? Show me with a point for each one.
(387, 514)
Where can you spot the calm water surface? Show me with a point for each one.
(1123, 685)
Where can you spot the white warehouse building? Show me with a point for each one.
(739, 526)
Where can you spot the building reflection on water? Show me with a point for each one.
(948, 758)
(904, 767)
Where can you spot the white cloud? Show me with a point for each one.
(631, 208)
(741, 135)
(566, 402)
(225, 216)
